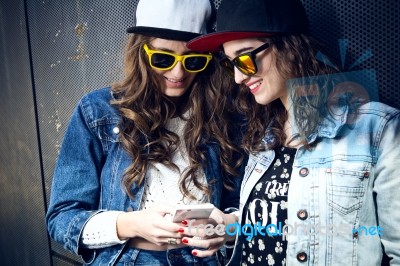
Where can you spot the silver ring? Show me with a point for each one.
(172, 241)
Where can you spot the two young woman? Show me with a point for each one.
(322, 180)
(158, 139)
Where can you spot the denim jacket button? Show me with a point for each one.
(366, 174)
(302, 257)
(328, 170)
(303, 172)
(302, 214)
(129, 209)
(116, 130)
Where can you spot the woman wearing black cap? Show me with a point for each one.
(321, 184)
(135, 151)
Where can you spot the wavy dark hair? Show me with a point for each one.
(295, 58)
(145, 111)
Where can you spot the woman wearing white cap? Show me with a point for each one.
(321, 184)
(157, 140)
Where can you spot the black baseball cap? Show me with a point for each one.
(240, 19)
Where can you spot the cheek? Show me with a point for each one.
(158, 73)
(191, 77)
(279, 79)
(265, 68)
(270, 73)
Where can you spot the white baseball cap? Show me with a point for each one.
(173, 19)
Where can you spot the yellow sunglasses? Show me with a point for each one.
(165, 61)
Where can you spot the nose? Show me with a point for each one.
(178, 70)
(239, 76)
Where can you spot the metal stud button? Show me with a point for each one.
(302, 257)
(116, 130)
(303, 172)
(302, 214)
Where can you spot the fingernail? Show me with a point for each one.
(184, 222)
(185, 241)
(194, 253)
(181, 230)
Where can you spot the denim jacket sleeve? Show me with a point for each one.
(76, 186)
(387, 184)
(230, 197)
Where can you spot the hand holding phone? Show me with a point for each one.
(195, 211)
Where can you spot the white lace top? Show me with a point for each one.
(161, 183)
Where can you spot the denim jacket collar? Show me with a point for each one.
(329, 127)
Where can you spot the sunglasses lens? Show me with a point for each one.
(195, 63)
(160, 60)
(245, 64)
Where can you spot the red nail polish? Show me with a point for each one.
(181, 230)
(184, 222)
(194, 253)
(185, 241)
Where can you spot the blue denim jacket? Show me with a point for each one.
(348, 183)
(87, 177)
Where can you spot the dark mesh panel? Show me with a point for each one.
(367, 25)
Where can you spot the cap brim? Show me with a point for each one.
(213, 42)
(163, 33)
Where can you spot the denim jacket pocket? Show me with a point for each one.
(346, 189)
(107, 130)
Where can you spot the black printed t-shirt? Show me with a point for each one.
(267, 206)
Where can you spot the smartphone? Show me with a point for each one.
(195, 211)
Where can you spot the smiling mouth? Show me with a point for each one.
(255, 85)
(174, 80)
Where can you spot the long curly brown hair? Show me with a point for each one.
(295, 57)
(145, 111)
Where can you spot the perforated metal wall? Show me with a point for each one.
(77, 47)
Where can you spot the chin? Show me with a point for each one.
(262, 101)
(174, 92)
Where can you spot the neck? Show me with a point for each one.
(284, 100)
(180, 103)
(291, 137)
(177, 100)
